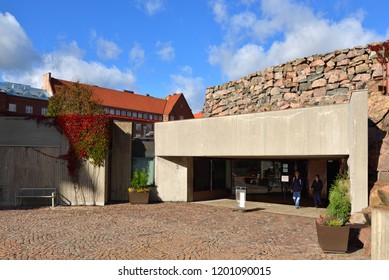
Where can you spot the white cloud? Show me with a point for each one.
(150, 7)
(16, 51)
(106, 49)
(219, 9)
(67, 63)
(165, 51)
(187, 70)
(20, 63)
(296, 30)
(192, 87)
(239, 62)
(137, 55)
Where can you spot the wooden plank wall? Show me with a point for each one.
(33, 166)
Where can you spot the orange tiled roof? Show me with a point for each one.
(198, 115)
(171, 100)
(124, 99)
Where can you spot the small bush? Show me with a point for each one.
(139, 181)
(339, 207)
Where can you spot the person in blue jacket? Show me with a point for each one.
(297, 186)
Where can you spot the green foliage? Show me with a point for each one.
(339, 208)
(76, 99)
(81, 119)
(139, 181)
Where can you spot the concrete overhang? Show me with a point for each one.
(306, 132)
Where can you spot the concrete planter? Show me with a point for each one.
(139, 197)
(333, 239)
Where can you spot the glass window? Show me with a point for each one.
(29, 109)
(155, 117)
(43, 111)
(139, 163)
(172, 118)
(112, 111)
(140, 115)
(123, 113)
(12, 107)
(160, 118)
(134, 115)
(150, 117)
(181, 117)
(145, 116)
(129, 113)
(106, 110)
(138, 127)
(117, 112)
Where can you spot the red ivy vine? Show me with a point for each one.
(88, 137)
(382, 51)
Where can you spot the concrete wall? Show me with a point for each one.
(326, 131)
(17, 131)
(120, 160)
(318, 131)
(34, 161)
(380, 234)
(315, 80)
(358, 154)
(174, 178)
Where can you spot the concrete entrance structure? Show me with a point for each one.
(335, 131)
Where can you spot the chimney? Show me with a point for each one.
(47, 83)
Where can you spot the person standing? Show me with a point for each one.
(317, 186)
(297, 186)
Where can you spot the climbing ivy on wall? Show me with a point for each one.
(88, 137)
(382, 51)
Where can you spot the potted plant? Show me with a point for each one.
(332, 230)
(139, 191)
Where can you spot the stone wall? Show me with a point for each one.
(315, 80)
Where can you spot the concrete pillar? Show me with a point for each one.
(358, 154)
(174, 178)
(380, 234)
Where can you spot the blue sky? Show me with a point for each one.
(164, 46)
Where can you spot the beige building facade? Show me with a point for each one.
(314, 136)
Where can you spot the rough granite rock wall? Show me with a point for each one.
(315, 80)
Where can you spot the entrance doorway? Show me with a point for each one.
(210, 179)
(265, 180)
(332, 171)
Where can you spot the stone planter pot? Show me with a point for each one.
(333, 239)
(139, 197)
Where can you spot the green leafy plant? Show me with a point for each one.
(74, 99)
(80, 117)
(338, 210)
(139, 181)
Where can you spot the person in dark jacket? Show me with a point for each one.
(317, 186)
(297, 186)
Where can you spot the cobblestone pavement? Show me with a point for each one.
(172, 231)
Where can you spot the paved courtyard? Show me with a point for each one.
(172, 231)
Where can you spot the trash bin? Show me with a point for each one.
(240, 195)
